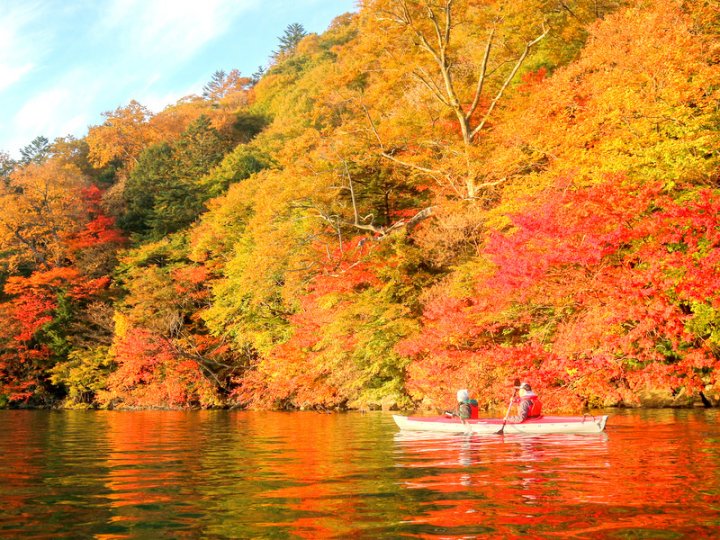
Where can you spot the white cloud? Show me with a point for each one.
(172, 30)
(56, 111)
(20, 50)
(39, 113)
(11, 74)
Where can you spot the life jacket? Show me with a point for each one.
(536, 407)
(468, 409)
(473, 408)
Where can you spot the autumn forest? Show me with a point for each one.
(431, 195)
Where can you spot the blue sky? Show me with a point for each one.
(65, 62)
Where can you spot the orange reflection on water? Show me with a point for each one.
(631, 479)
(133, 471)
(493, 485)
(317, 457)
(220, 474)
(21, 467)
(149, 462)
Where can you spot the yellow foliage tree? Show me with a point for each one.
(122, 137)
(40, 208)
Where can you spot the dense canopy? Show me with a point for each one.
(431, 195)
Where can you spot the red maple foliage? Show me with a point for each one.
(594, 294)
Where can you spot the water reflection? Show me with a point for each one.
(153, 468)
(639, 479)
(495, 485)
(219, 474)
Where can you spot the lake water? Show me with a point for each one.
(220, 474)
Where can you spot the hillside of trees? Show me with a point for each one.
(431, 195)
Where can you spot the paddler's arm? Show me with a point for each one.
(523, 412)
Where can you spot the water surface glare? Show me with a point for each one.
(221, 474)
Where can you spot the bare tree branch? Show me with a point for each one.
(431, 85)
(481, 77)
(529, 45)
(570, 11)
(422, 215)
(384, 153)
(431, 26)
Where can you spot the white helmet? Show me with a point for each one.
(463, 395)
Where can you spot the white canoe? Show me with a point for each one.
(487, 426)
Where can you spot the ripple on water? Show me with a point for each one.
(222, 474)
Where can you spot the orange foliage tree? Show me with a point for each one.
(340, 352)
(58, 249)
(583, 282)
(40, 205)
(448, 194)
(164, 355)
(124, 134)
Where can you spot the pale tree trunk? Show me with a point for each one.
(436, 44)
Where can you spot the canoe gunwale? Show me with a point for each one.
(547, 424)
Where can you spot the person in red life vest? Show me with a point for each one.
(528, 404)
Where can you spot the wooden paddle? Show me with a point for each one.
(516, 384)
